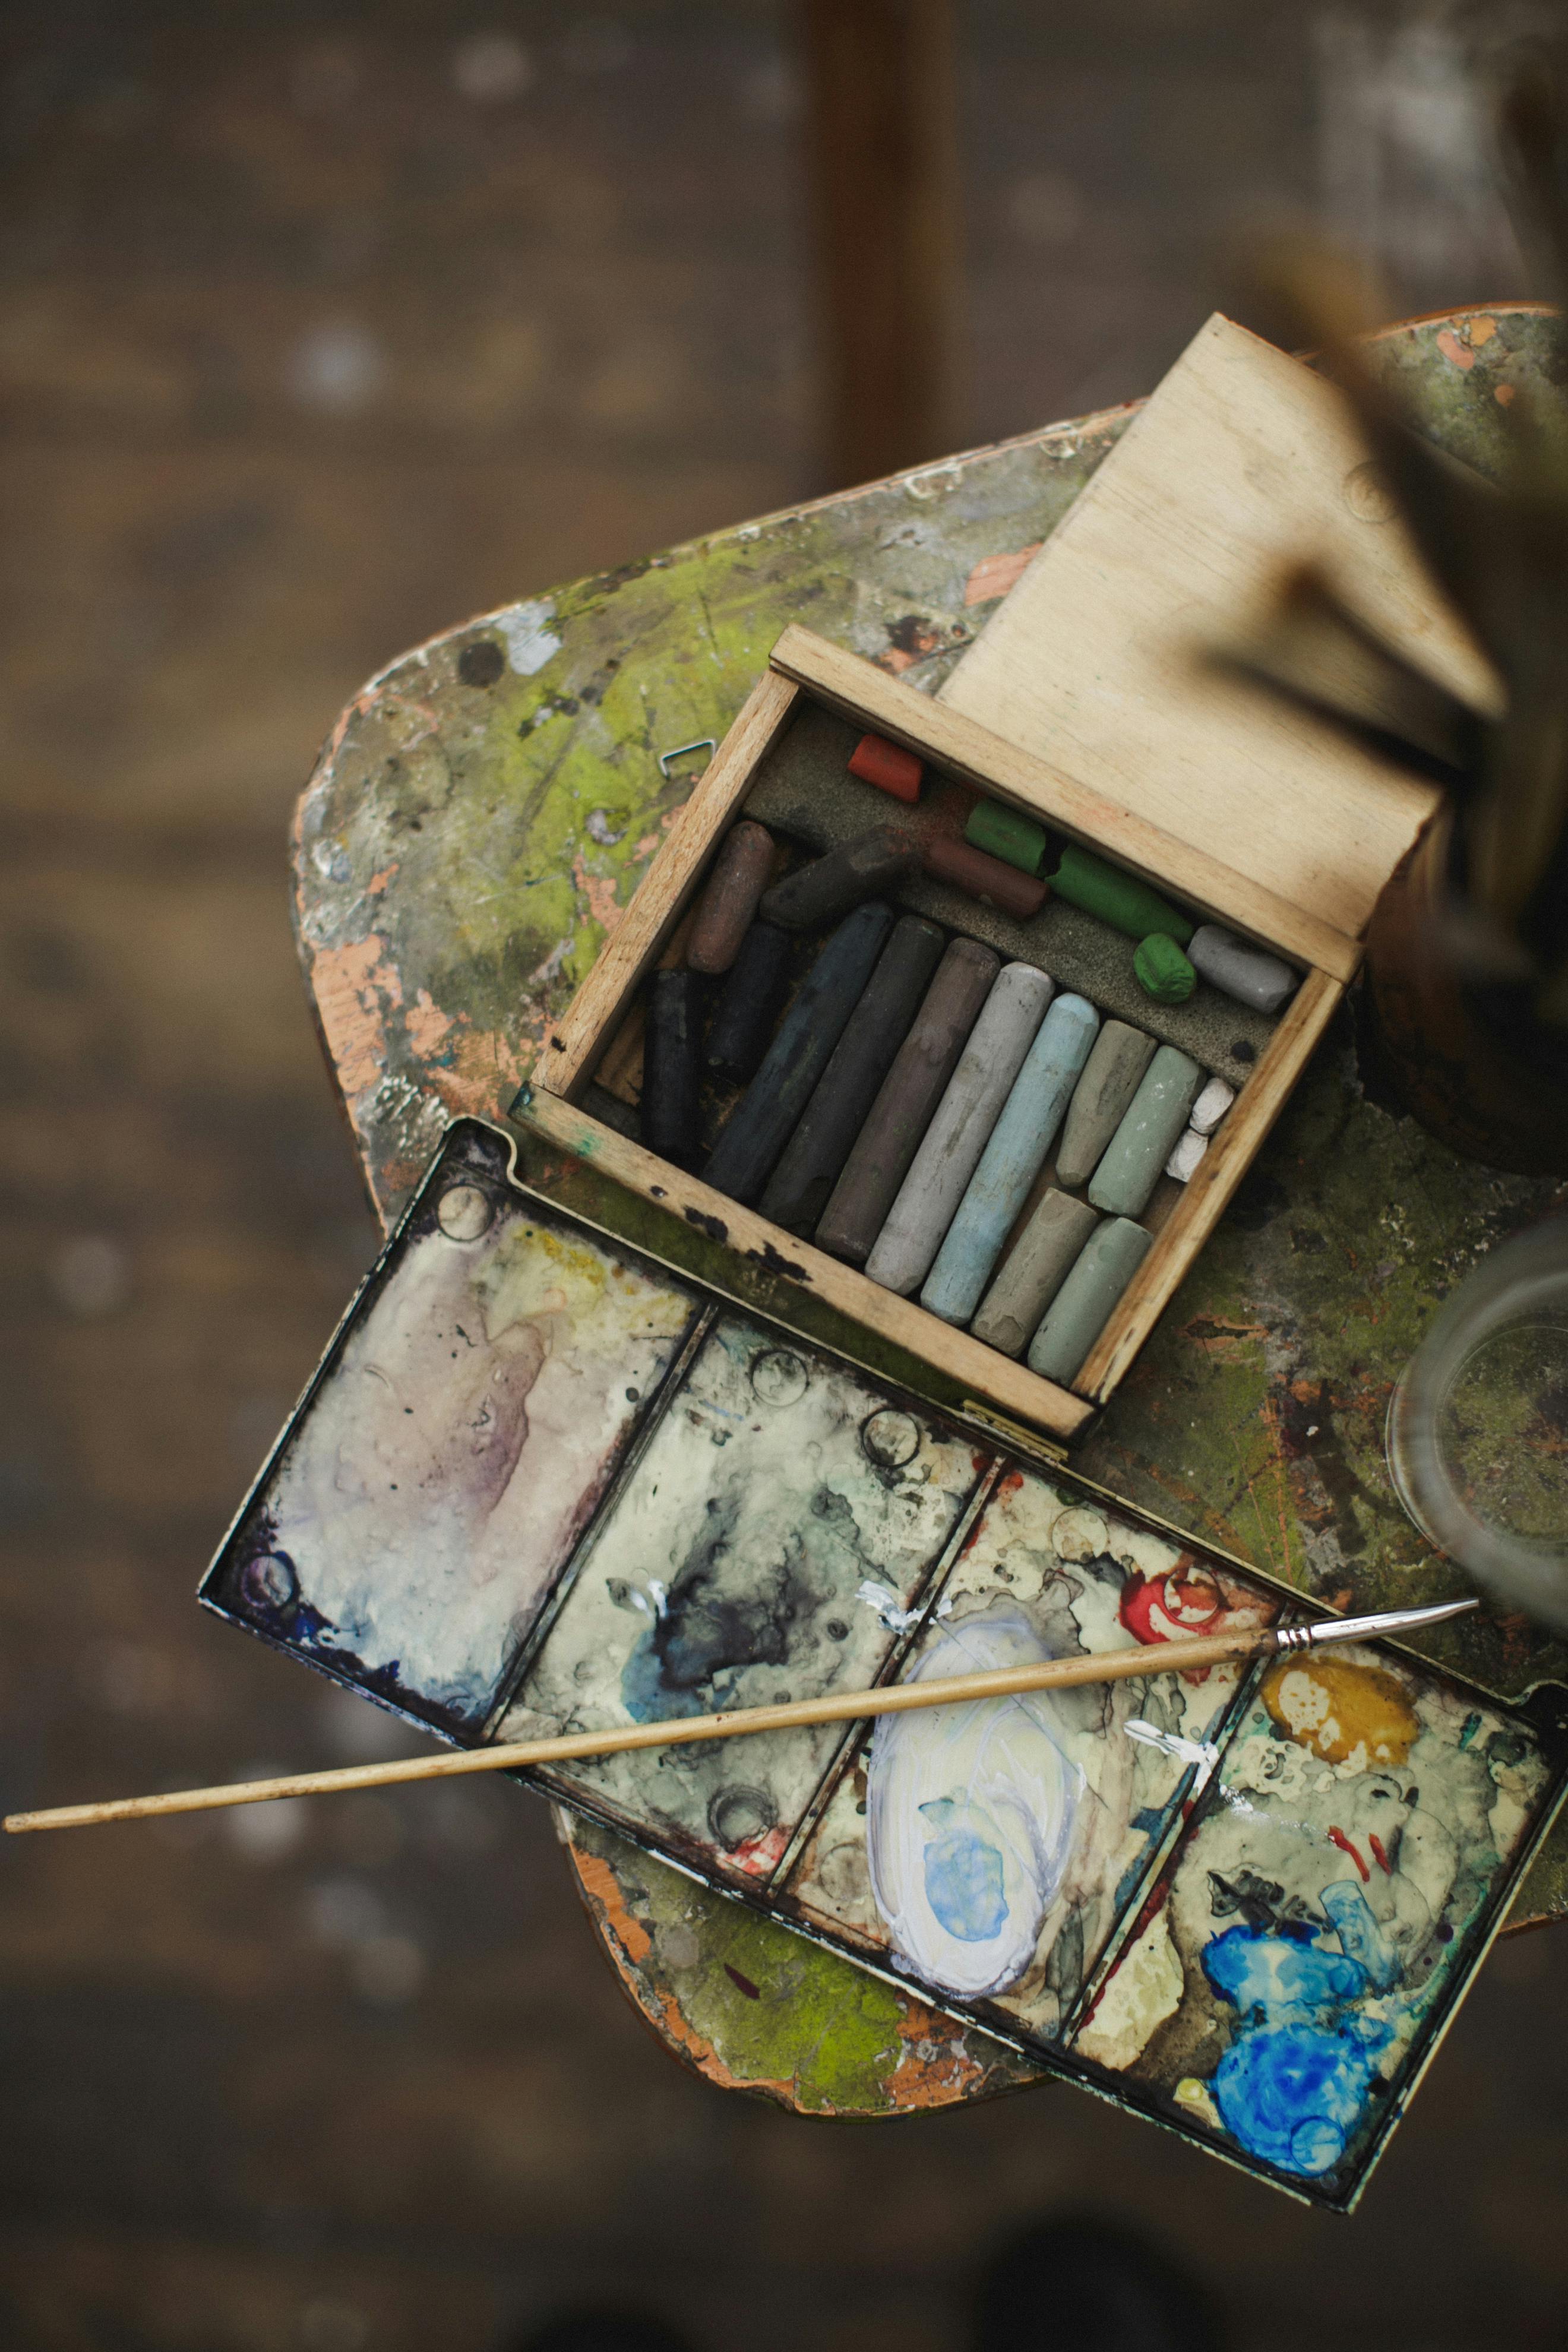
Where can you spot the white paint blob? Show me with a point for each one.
(530, 640)
(970, 1817)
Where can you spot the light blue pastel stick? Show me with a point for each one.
(1011, 1161)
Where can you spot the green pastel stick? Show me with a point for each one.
(1006, 833)
(1081, 1308)
(1118, 899)
(1162, 971)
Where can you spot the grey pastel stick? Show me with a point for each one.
(817, 895)
(1081, 1308)
(1116, 1065)
(1033, 1272)
(1248, 973)
(798, 1188)
(1011, 1161)
(1140, 1146)
(960, 1130)
(763, 1119)
(909, 1093)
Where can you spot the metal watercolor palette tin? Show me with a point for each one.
(545, 1479)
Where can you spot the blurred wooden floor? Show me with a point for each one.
(319, 329)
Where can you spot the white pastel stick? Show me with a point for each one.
(926, 1202)
(1211, 1106)
(1183, 1162)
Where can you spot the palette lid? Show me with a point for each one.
(1242, 464)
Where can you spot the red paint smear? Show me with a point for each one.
(742, 1984)
(762, 1852)
(1379, 1856)
(1338, 1837)
(1169, 1607)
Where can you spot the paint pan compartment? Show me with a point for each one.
(631, 1490)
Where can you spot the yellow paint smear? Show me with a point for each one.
(1339, 1709)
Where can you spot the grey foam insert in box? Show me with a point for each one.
(803, 788)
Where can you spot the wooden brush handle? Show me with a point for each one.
(846, 1706)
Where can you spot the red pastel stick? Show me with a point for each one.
(888, 766)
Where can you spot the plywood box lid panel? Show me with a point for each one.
(1242, 464)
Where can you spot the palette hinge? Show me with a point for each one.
(1015, 1432)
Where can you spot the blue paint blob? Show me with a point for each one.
(1293, 2086)
(1273, 1974)
(964, 1878)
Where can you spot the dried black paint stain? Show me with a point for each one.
(1307, 1427)
(708, 1629)
(773, 1262)
(714, 1227)
(482, 663)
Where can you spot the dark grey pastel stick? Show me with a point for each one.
(753, 997)
(798, 1189)
(672, 1034)
(877, 1166)
(817, 895)
(768, 1112)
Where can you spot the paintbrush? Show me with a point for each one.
(846, 1706)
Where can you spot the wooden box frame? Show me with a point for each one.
(805, 666)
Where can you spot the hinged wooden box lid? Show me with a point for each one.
(1242, 464)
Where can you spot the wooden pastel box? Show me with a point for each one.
(784, 759)
(1092, 705)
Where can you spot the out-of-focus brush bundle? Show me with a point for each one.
(1467, 953)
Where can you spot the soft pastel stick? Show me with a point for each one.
(960, 1128)
(1117, 896)
(798, 1188)
(1011, 1161)
(1212, 1105)
(817, 895)
(763, 1119)
(1081, 1308)
(1242, 971)
(1033, 1272)
(989, 881)
(672, 1035)
(736, 880)
(909, 1094)
(1008, 834)
(1162, 971)
(1140, 1146)
(752, 1001)
(1110, 1078)
(888, 766)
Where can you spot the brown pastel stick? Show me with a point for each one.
(818, 893)
(736, 880)
(984, 879)
(909, 1093)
